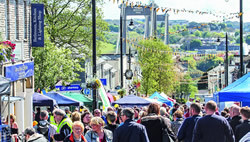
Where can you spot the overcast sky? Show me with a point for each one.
(111, 10)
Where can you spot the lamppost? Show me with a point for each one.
(241, 39)
(129, 72)
(94, 49)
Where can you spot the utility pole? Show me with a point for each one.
(94, 49)
(226, 64)
(121, 50)
(241, 40)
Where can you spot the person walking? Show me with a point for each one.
(77, 134)
(243, 129)
(111, 118)
(185, 132)
(98, 134)
(156, 125)
(235, 117)
(178, 120)
(212, 127)
(130, 131)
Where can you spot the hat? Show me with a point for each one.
(66, 109)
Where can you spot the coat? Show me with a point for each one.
(130, 131)
(92, 136)
(70, 138)
(213, 128)
(242, 129)
(236, 120)
(37, 138)
(185, 132)
(154, 125)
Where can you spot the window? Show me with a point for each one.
(19, 51)
(25, 18)
(7, 35)
(16, 20)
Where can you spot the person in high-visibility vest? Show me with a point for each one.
(67, 111)
(64, 125)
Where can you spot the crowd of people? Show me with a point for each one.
(154, 123)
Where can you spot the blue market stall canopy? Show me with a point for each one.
(131, 101)
(42, 100)
(161, 98)
(238, 91)
(62, 100)
(4, 86)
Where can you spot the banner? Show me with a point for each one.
(37, 25)
(103, 96)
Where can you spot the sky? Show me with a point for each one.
(111, 10)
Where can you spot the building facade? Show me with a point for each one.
(15, 27)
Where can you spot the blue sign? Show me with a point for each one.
(104, 81)
(86, 91)
(69, 88)
(37, 25)
(19, 71)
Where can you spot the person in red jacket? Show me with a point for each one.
(77, 134)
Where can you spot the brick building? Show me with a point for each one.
(15, 27)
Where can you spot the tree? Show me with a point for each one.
(248, 39)
(195, 43)
(157, 67)
(69, 24)
(197, 33)
(206, 34)
(187, 86)
(222, 26)
(238, 40)
(53, 64)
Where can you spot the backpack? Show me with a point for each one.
(43, 128)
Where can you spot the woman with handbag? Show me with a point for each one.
(158, 128)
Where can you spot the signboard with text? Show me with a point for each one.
(69, 88)
(37, 25)
(19, 71)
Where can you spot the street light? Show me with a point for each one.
(129, 73)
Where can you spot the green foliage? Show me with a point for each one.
(174, 38)
(248, 39)
(238, 40)
(53, 64)
(187, 86)
(195, 43)
(206, 34)
(107, 48)
(69, 24)
(206, 64)
(157, 68)
(237, 33)
(197, 33)
(111, 37)
(113, 28)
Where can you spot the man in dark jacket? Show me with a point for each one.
(64, 127)
(130, 131)
(111, 118)
(235, 117)
(244, 128)
(185, 132)
(212, 127)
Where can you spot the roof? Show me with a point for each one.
(113, 70)
(107, 66)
